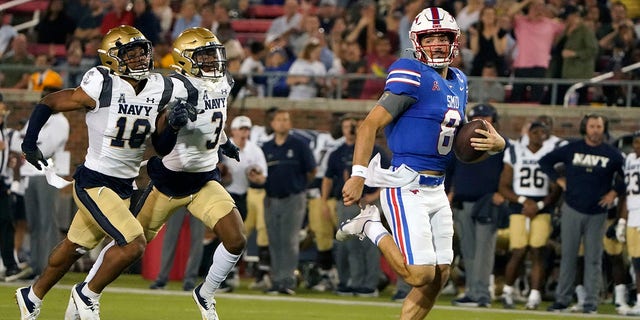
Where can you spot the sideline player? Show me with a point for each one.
(187, 176)
(423, 98)
(531, 197)
(123, 101)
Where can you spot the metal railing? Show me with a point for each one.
(27, 24)
(336, 92)
(600, 78)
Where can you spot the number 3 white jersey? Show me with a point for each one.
(528, 179)
(197, 147)
(632, 181)
(121, 121)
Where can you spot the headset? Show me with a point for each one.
(583, 123)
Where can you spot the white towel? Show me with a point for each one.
(385, 178)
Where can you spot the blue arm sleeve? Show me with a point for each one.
(164, 141)
(39, 117)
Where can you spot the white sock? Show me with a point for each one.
(619, 293)
(89, 294)
(637, 298)
(96, 265)
(507, 289)
(223, 262)
(32, 296)
(375, 231)
(581, 294)
(534, 295)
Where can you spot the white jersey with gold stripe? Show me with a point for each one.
(528, 178)
(197, 147)
(122, 120)
(632, 181)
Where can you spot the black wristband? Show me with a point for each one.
(164, 141)
(39, 117)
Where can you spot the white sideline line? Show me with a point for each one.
(239, 296)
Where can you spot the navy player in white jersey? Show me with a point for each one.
(125, 104)
(628, 227)
(531, 197)
(187, 176)
(423, 103)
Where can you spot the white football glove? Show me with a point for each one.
(621, 228)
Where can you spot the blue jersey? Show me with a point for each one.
(422, 136)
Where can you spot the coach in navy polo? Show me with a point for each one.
(291, 166)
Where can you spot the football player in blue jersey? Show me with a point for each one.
(125, 104)
(423, 103)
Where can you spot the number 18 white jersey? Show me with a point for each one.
(528, 179)
(122, 120)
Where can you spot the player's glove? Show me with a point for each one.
(34, 156)
(621, 228)
(180, 113)
(230, 150)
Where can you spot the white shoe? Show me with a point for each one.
(262, 284)
(72, 312)
(532, 304)
(323, 285)
(577, 308)
(635, 311)
(88, 308)
(623, 309)
(507, 300)
(28, 310)
(354, 227)
(207, 306)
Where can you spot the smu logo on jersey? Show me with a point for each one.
(125, 108)
(453, 102)
(589, 160)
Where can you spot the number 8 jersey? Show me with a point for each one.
(121, 121)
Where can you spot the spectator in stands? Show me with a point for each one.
(618, 47)
(288, 159)
(411, 10)
(488, 42)
(354, 63)
(579, 50)
(146, 21)
(207, 18)
(187, 18)
(368, 26)
(162, 56)
(55, 26)
(220, 15)
(163, 11)
(619, 18)
(307, 74)
(277, 60)
(311, 30)
(469, 14)
(21, 59)
(379, 58)
(117, 16)
(326, 12)
(487, 89)
(76, 9)
(535, 35)
(72, 69)
(7, 33)
(46, 77)
(286, 25)
(252, 67)
(89, 25)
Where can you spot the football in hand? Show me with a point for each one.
(462, 142)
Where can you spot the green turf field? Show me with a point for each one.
(129, 299)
